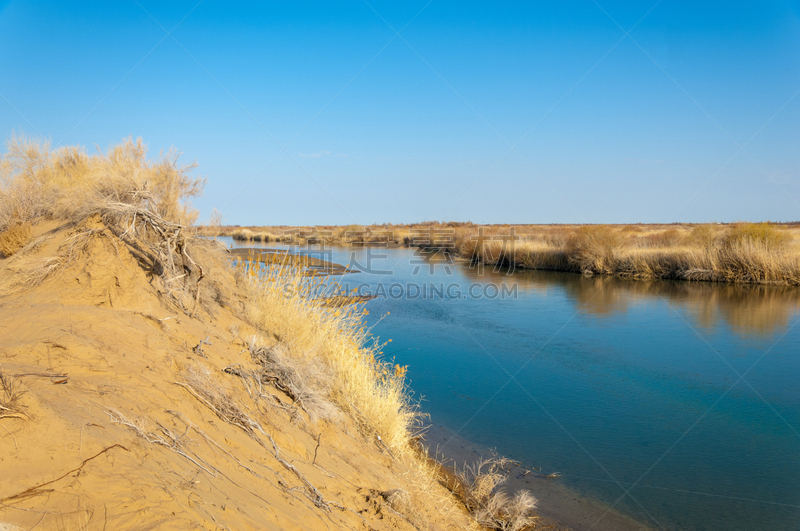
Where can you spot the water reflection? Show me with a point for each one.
(749, 310)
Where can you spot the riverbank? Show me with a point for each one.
(622, 365)
(146, 383)
(123, 410)
(755, 253)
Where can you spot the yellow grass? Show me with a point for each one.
(289, 306)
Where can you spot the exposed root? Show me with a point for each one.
(157, 243)
(166, 438)
(301, 382)
(224, 406)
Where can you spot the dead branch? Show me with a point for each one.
(32, 491)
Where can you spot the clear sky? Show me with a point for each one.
(364, 112)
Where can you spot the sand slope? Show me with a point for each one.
(119, 443)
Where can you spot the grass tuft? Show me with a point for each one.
(14, 238)
(11, 395)
(477, 485)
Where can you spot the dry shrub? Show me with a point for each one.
(767, 234)
(37, 182)
(592, 247)
(306, 381)
(477, 485)
(705, 236)
(144, 203)
(14, 238)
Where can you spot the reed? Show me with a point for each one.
(742, 253)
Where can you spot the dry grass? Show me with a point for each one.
(306, 381)
(477, 485)
(10, 397)
(14, 238)
(332, 343)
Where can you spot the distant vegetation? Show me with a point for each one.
(739, 252)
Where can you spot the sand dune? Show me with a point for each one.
(120, 422)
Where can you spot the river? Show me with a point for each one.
(674, 403)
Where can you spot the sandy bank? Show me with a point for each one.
(126, 418)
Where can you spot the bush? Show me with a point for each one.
(704, 236)
(39, 183)
(14, 238)
(477, 484)
(766, 234)
(591, 248)
(141, 202)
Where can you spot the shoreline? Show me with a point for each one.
(739, 253)
(560, 506)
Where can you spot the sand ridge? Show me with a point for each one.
(112, 437)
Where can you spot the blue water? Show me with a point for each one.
(677, 403)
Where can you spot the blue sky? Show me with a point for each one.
(525, 112)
